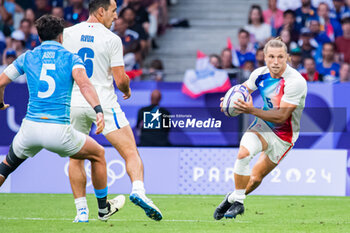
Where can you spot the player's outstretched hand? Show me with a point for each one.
(221, 103)
(5, 106)
(244, 107)
(100, 123)
(127, 95)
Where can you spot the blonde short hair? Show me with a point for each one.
(275, 43)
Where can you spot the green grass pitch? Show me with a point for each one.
(181, 213)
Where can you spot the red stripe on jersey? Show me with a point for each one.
(284, 154)
(285, 131)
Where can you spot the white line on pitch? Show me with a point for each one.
(122, 220)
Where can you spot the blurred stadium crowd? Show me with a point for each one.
(317, 34)
(139, 23)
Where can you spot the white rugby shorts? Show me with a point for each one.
(83, 117)
(33, 136)
(277, 149)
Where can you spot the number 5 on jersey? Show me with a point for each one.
(87, 54)
(48, 79)
(269, 103)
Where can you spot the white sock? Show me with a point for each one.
(137, 186)
(81, 203)
(237, 195)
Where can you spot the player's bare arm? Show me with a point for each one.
(122, 81)
(4, 81)
(278, 116)
(90, 94)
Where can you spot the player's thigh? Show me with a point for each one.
(82, 118)
(277, 149)
(27, 142)
(64, 140)
(123, 140)
(90, 150)
(115, 119)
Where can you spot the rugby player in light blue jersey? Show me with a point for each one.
(51, 71)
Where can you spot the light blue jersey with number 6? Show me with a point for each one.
(49, 76)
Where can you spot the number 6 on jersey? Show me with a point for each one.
(87, 54)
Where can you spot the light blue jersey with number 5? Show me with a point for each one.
(49, 76)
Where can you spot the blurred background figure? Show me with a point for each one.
(258, 29)
(290, 25)
(296, 59)
(226, 59)
(318, 37)
(29, 15)
(259, 57)
(215, 60)
(287, 39)
(155, 71)
(328, 67)
(338, 11)
(247, 69)
(343, 42)
(303, 13)
(9, 57)
(331, 27)
(273, 16)
(31, 39)
(76, 12)
(153, 137)
(344, 72)
(127, 36)
(307, 49)
(18, 42)
(41, 8)
(128, 14)
(310, 73)
(245, 50)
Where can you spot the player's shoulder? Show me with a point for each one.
(75, 28)
(260, 71)
(293, 76)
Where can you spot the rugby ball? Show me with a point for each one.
(232, 96)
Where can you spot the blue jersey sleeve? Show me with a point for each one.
(77, 62)
(19, 63)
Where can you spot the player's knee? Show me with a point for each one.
(99, 155)
(131, 155)
(250, 144)
(101, 151)
(11, 163)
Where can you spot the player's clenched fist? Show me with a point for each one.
(127, 94)
(100, 123)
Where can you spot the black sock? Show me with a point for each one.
(102, 203)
